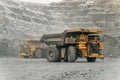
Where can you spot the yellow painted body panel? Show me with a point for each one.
(96, 55)
(101, 46)
(82, 45)
(86, 30)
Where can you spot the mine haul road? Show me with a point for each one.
(41, 69)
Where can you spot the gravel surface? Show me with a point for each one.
(41, 69)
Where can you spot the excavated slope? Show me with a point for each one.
(20, 20)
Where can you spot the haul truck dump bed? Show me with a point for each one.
(71, 44)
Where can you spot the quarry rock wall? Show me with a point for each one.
(20, 20)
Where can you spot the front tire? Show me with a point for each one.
(59, 58)
(71, 54)
(89, 59)
(52, 54)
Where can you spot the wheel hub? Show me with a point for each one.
(51, 54)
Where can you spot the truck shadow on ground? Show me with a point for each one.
(79, 62)
(87, 62)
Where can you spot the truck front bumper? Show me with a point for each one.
(100, 56)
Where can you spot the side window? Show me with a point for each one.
(77, 37)
(70, 38)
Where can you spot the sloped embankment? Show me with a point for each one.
(20, 20)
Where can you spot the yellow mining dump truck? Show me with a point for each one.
(71, 44)
(29, 48)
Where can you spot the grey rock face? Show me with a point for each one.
(25, 20)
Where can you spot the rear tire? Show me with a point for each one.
(52, 54)
(59, 58)
(71, 54)
(38, 53)
(66, 55)
(89, 59)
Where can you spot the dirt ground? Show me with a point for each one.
(41, 69)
